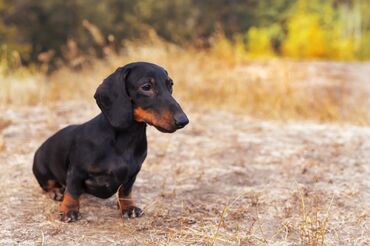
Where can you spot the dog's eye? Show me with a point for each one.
(171, 85)
(146, 87)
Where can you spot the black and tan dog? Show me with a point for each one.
(104, 155)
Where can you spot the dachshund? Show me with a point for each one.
(103, 156)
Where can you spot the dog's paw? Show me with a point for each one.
(69, 216)
(57, 194)
(132, 212)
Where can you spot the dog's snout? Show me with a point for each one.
(181, 120)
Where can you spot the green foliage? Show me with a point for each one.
(60, 30)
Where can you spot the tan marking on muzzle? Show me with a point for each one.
(142, 115)
(163, 120)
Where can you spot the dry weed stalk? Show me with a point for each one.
(3, 124)
(313, 227)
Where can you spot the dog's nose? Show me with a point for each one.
(181, 120)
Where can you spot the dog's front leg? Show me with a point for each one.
(69, 208)
(126, 203)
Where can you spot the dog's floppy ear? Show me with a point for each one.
(113, 100)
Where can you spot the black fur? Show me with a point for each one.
(106, 152)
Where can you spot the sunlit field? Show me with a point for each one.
(253, 167)
(277, 93)
(278, 88)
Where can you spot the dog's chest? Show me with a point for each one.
(105, 177)
(117, 162)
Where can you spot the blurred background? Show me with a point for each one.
(266, 58)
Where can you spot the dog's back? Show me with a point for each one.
(51, 159)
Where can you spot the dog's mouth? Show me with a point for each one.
(165, 130)
(162, 129)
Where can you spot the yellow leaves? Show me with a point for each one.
(306, 38)
(319, 34)
(259, 43)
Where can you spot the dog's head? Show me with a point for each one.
(140, 92)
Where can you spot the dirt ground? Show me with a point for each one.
(223, 180)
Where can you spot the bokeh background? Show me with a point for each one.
(240, 55)
(331, 29)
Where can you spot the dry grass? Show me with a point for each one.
(313, 226)
(267, 183)
(276, 89)
(3, 124)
